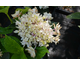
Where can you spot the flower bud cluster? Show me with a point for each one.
(35, 31)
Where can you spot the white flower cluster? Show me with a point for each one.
(43, 7)
(34, 30)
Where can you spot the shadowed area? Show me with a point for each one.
(69, 44)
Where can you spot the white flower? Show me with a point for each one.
(31, 51)
(17, 14)
(47, 17)
(57, 28)
(16, 31)
(34, 10)
(56, 39)
(18, 23)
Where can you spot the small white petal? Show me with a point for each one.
(31, 51)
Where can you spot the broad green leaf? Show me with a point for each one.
(40, 52)
(4, 9)
(74, 15)
(11, 45)
(28, 7)
(19, 56)
(16, 39)
(1, 7)
(1, 47)
(5, 30)
(23, 10)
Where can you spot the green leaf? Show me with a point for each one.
(1, 47)
(23, 10)
(40, 52)
(1, 7)
(16, 39)
(5, 30)
(28, 7)
(11, 45)
(4, 9)
(19, 56)
(74, 15)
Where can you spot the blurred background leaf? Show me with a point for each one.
(74, 15)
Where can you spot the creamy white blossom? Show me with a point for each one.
(31, 51)
(17, 14)
(57, 27)
(47, 16)
(34, 30)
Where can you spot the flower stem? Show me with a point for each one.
(9, 18)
